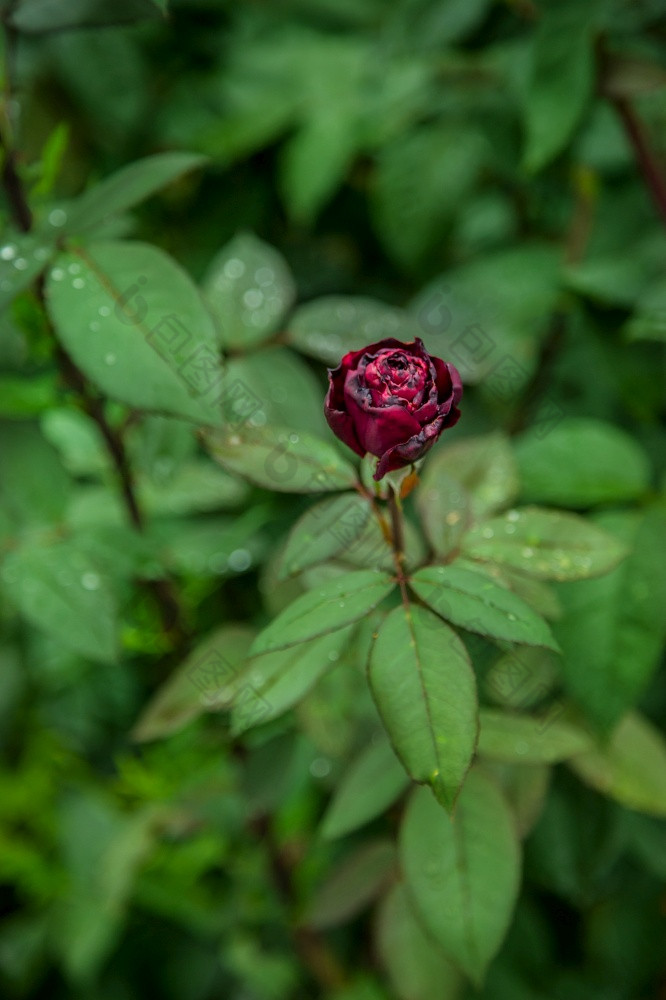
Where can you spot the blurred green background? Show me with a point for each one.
(495, 170)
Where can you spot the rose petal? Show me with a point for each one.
(381, 428)
(342, 426)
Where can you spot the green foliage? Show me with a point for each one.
(268, 729)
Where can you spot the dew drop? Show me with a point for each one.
(94, 326)
(74, 268)
(8, 252)
(513, 515)
(240, 560)
(104, 311)
(253, 298)
(521, 748)
(294, 438)
(511, 617)
(57, 217)
(234, 268)
(452, 517)
(487, 532)
(90, 581)
(20, 263)
(333, 655)
(320, 767)
(264, 276)
(57, 274)
(527, 553)
(41, 253)
(218, 563)
(234, 440)
(78, 283)
(110, 359)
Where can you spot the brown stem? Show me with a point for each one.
(162, 591)
(398, 543)
(310, 945)
(651, 168)
(93, 406)
(14, 190)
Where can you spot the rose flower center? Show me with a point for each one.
(394, 377)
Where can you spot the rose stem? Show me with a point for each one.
(398, 542)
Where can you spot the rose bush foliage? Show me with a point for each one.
(233, 668)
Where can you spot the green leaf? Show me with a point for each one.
(22, 397)
(134, 323)
(331, 76)
(631, 768)
(527, 739)
(198, 485)
(78, 440)
(332, 325)
(648, 321)
(58, 15)
(522, 677)
(445, 508)
(275, 681)
(102, 850)
(561, 82)
(280, 460)
(569, 857)
(462, 483)
(417, 968)
(324, 531)
(472, 600)
(61, 590)
(548, 545)
(315, 161)
(34, 487)
(423, 683)
(196, 686)
(332, 605)
(421, 180)
(106, 77)
(434, 26)
(488, 316)
(51, 161)
(525, 787)
(539, 595)
(613, 629)
(214, 546)
(126, 188)
(463, 872)
(249, 289)
(370, 785)
(275, 386)
(581, 462)
(351, 885)
(485, 467)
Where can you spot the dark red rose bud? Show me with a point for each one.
(392, 400)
